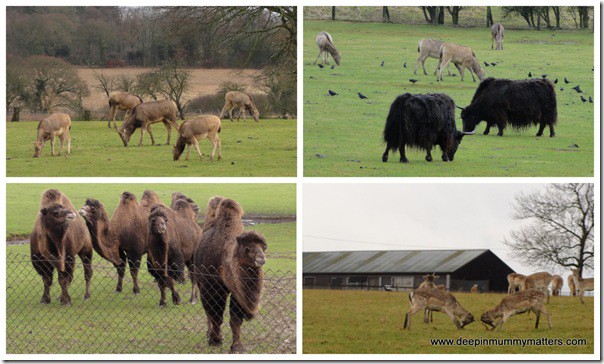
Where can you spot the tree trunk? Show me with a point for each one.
(556, 10)
(385, 15)
(16, 113)
(454, 11)
(333, 13)
(489, 17)
(441, 15)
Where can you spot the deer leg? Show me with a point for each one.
(196, 146)
(150, 134)
(61, 139)
(215, 143)
(188, 150)
(140, 143)
(52, 145)
(169, 130)
(231, 113)
(68, 137)
(412, 311)
(316, 59)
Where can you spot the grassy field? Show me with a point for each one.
(125, 323)
(249, 149)
(265, 200)
(361, 322)
(342, 134)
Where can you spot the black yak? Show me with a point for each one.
(520, 103)
(422, 121)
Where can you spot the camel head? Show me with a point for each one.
(250, 249)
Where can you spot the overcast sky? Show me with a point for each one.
(405, 216)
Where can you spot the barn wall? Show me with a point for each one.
(487, 267)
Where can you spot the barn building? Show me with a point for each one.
(403, 270)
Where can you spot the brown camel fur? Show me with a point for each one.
(57, 237)
(229, 261)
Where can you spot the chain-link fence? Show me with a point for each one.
(117, 323)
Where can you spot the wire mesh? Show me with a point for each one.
(122, 323)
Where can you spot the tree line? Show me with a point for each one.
(44, 44)
(536, 17)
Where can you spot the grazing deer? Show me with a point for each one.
(497, 36)
(526, 300)
(122, 101)
(326, 47)
(436, 300)
(55, 125)
(582, 284)
(557, 283)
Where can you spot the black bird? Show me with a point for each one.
(566, 81)
(332, 93)
(321, 66)
(583, 99)
(556, 80)
(493, 64)
(576, 88)
(486, 64)
(530, 74)
(333, 66)
(591, 100)
(561, 88)
(382, 65)
(405, 65)
(544, 75)
(362, 96)
(412, 80)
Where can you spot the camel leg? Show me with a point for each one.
(214, 304)
(161, 283)
(87, 260)
(134, 261)
(236, 319)
(65, 279)
(194, 288)
(121, 270)
(175, 295)
(45, 270)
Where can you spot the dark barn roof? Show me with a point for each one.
(393, 261)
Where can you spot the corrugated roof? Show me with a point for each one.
(393, 261)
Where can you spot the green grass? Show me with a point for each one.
(249, 149)
(266, 200)
(342, 134)
(124, 323)
(361, 322)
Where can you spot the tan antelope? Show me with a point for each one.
(429, 48)
(526, 300)
(515, 280)
(436, 300)
(497, 36)
(582, 284)
(462, 57)
(557, 283)
(55, 125)
(538, 281)
(193, 130)
(241, 100)
(122, 101)
(148, 113)
(571, 285)
(326, 47)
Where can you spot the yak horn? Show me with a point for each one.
(459, 107)
(470, 132)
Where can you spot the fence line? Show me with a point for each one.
(119, 323)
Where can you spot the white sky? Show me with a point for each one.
(404, 216)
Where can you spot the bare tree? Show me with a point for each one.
(174, 83)
(560, 229)
(385, 15)
(454, 11)
(489, 17)
(148, 84)
(104, 82)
